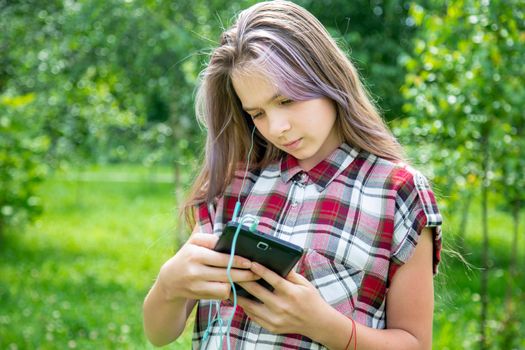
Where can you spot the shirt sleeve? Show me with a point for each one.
(204, 216)
(416, 208)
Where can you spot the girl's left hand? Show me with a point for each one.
(293, 306)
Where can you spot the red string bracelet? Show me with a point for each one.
(354, 330)
(351, 335)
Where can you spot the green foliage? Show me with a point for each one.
(375, 34)
(102, 69)
(21, 168)
(92, 81)
(464, 83)
(465, 100)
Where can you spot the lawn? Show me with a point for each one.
(76, 278)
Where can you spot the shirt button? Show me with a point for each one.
(295, 204)
(303, 178)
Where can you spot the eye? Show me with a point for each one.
(286, 102)
(257, 115)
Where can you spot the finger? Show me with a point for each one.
(297, 278)
(258, 320)
(251, 306)
(198, 249)
(210, 290)
(242, 301)
(254, 310)
(275, 280)
(213, 258)
(218, 274)
(258, 291)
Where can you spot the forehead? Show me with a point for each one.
(253, 88)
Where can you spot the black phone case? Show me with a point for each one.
(274, 253)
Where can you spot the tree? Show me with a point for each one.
(376, 34)
(83, 81)
(462, 82)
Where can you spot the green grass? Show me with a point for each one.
(76, 278)
(458, 303)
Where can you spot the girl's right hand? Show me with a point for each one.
(196, 271)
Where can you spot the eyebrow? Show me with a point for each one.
(270, 100)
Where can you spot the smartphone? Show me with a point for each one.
(274, 253)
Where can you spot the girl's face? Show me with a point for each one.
(304, 129)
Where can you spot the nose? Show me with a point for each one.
(278, 124)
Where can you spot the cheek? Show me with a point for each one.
(316, 116)
(262, 128)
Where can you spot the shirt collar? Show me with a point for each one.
(324, 172)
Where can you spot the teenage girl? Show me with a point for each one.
(294, 137)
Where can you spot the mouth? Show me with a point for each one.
(292, 144)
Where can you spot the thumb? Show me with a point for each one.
(206, 240)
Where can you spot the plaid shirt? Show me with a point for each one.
(358, 217)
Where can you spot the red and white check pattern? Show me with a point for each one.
(357, 216)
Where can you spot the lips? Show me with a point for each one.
(292, 144)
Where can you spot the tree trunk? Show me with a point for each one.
(179, 226)
(510, 320)
(177, 183)
(514, 254)
(1, 230)
(485, 250)
(464, 221)
(78, 184)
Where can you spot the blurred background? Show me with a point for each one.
(99, 143)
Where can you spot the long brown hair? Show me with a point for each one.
(290, 46)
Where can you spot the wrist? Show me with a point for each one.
(331, 328)
(165, 293)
